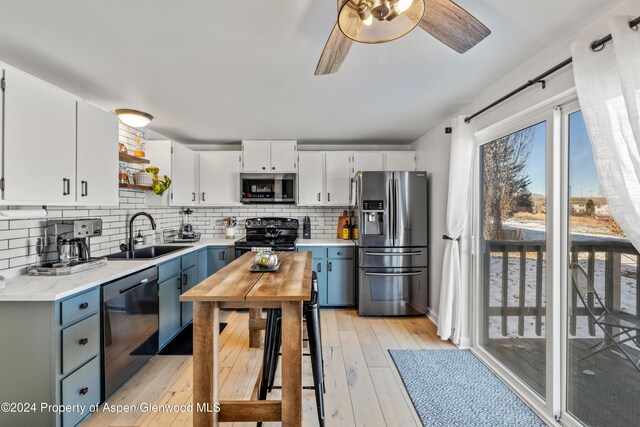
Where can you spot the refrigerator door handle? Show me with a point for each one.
(409, 273)
(395, 213)
(391, 209)
(394, 253)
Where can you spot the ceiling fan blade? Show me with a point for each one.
(452, 25)
(334, 52)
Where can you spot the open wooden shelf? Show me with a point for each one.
(136, 186)
(133, 159)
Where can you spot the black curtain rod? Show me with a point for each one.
(596, 45)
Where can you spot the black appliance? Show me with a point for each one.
(130, 308)
(276, 234)
(306, 228)
(267, 188)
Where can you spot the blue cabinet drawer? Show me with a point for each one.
(318, 251)
(81, 388)
(168, 270)
(80, 342)
(79, 306)
(345, 252)
(189, 260)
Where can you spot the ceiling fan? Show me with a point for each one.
(378, 21)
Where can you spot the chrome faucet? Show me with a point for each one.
(133, 217)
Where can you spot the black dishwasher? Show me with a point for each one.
(129, 327)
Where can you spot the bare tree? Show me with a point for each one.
(505, 178)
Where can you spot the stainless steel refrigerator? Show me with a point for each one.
(392, 243)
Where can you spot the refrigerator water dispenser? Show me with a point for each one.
(374, 213)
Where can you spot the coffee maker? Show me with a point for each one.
(66, 247)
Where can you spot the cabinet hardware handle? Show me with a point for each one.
(319, 267)
(179, 283)
(328, 197)
(84, 188)
(339, 253)
(84, 390)
(193, 197)
(83, 341)
(203, 196)
(263, 168)
(185, 280)
(83, 306)
(223, 256)
(273, 168)
(66, 186)
(330, 265)
(318, 196)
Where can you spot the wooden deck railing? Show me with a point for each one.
(612, 251)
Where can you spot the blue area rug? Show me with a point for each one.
(453, 388)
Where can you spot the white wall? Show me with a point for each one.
(433, 147)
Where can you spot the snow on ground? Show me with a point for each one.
(535, 231)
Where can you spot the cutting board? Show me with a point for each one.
(341, 221)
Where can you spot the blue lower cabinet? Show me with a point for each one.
(319, 266)
(169, 317)
(340, 284)
(189, 280)
(202, 265)
(218, 258)
(334, 266)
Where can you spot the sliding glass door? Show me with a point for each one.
(513, 241)
(602, 376)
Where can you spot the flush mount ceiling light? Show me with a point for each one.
(134, 118)
(379, 21)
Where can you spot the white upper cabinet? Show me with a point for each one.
(269, 156)
(97, 154)
(400, 161)
(39, 142)
(283, 156)
(158, 152)
(256, 156)
(310, 178)
(337, 178)
(367, 161)
(324, 178)
(219, 178)
(183, 165)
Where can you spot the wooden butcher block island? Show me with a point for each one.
(235, 286)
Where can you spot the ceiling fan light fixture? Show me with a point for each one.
(384, 20)
(134, 118)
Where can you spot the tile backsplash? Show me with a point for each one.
(18, 236)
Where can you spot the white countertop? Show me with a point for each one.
(324, 242)
(51, 288)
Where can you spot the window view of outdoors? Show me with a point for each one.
(514, 252)
(603, 378)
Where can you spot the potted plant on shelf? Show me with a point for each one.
(158, 185)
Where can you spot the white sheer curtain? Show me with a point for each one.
(454, 311)
(608, 84)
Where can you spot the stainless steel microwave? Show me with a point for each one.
(267, 188)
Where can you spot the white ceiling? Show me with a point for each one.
(221, 71)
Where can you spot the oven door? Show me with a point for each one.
(393, 291)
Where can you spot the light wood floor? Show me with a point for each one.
(363, 386)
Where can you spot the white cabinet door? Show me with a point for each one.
(367, 161)
(39, 141)
(219, 178)
(158, 152)
(400, 161)
(337, 178)
(256, 156)
(184, 176)
(97, 154)
(283, 156)
(310, 178)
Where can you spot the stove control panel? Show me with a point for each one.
(289, 223)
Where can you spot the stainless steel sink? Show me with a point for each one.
(146, 253)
